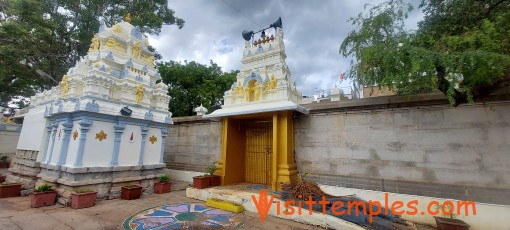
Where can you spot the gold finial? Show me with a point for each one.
(127, 18)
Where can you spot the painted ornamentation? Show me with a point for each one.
(75, 134)
(153, 139)
(101, 135)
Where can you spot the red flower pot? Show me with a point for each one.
(4, 164)
(2, 178)
(40, 199)
(450, 224)
(201, 182)
(214, 180)
(162, 187)
(10, 190)
(83, 200)
(131, 192)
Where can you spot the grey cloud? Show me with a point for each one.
(313, 33)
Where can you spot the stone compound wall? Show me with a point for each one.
(434, 150)
(192, 143)
(9, 135)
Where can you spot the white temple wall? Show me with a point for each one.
(33, 132)
(129, 152)
(72, 149)
(152, 150)
(99, 153)
(58, 144)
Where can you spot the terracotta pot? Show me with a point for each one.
(214, 180)
(450, 224)
(2, 178)
(131, 192)
(40, 199)
(201, 182)
(10, 190)
(83, 200)
(162, 187)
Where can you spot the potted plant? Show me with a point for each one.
(9, 189)
(162, 185)
(83, 199)
(214, 180)
(448, 222)
(131, 192)
(201, 182)
(3, 162)
(43, 195)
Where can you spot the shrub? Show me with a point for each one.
(163, 179)
(211, 168)
(43, 188)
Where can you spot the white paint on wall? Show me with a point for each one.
(99, 153)
(488, 216)
(182, 175)
(33, 133)
(58, 144)
(130, 151)
(72, 149)
(152, 150)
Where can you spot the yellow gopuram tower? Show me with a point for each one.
(257, 115)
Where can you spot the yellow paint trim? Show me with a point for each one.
(224, 205)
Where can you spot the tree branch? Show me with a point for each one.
(494, 6)
(40, 72)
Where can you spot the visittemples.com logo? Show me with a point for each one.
(372, 208)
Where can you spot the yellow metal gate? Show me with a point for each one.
(259, 139)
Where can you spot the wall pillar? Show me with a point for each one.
(144, 129)
(68, 127)
(53, 135)
(164, 133)
(84, 128)
(119, 130)
(220, 168)
(284, 166)
(48, 137)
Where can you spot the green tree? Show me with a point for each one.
(461, 48)
(41, 39)
(192, 84)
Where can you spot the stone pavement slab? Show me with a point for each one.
(16, 213)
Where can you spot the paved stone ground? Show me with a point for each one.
(15, 213)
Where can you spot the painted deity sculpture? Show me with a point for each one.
(139, 94)
(256, 89)
(95, 43)
(64, 86)
(136, 50)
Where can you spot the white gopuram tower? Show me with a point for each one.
(264, 83)
(103, 126)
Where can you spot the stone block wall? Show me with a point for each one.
(434, 150)
(192, 143)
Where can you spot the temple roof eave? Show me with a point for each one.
(255, 108)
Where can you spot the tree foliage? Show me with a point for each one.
(461, 47)
(41, 39)
(193, 84)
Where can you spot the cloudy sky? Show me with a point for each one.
(313, 33)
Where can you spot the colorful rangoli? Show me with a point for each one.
(184, 216)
